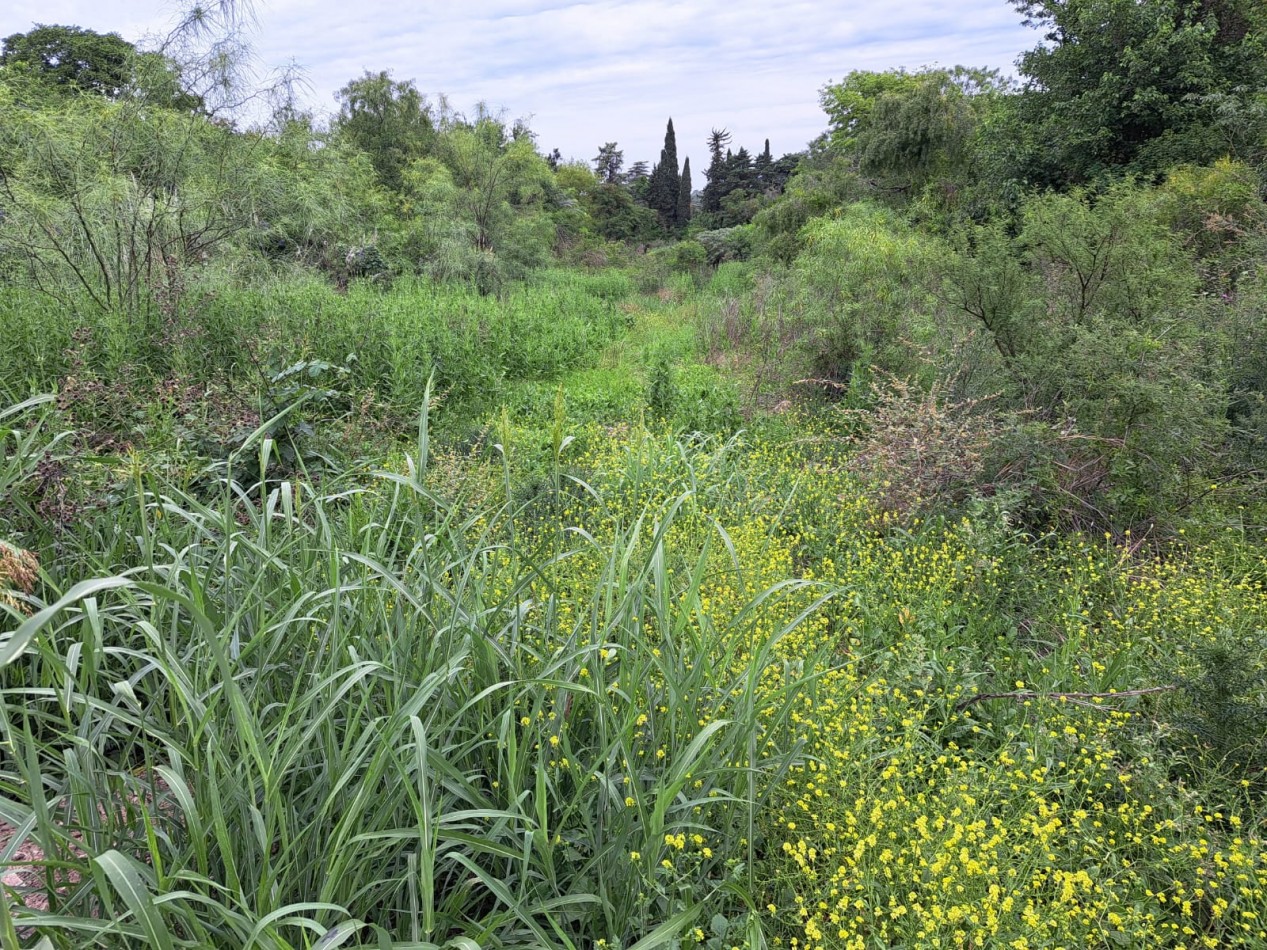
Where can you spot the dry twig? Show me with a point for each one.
(1082, 699)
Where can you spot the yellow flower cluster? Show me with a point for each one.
(914, 815)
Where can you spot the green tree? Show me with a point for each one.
(76, 59)
(665, 183)
(576, 180)
(323, 200)
(71, 60)
(480, 206)
(710, 199)
(608, 163)
(683, 213)
(912, 134)
(495, 175)
(107, 201)
(1140, 86)
(617, 217)
(849, 103)
(390, 121)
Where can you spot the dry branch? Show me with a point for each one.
(1082, 699)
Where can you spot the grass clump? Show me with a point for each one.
(372, 713)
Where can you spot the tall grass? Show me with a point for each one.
(376, 716)
(393, 339)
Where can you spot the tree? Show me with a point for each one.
(608, 163)
(738, 171)
(913, 135)
(710, 201)
(637, 180)
(478, 205)
(388, 120)
(108, 201)
(616, 217)
(763, 165)
(70, 60)
(1140, 86)
(738, 186)
(683, 213)
(322, 199)
(917, 132)
(662, 191)
(493, 176)
(76, 59)
(850, 103)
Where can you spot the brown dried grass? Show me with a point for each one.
(19, 571)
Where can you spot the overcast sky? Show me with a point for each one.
(602, 70)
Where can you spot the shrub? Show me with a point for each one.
(662, 393)
(1096, 329)
(1220, 733)
(727, 244)
(863, 287)
(922, 451)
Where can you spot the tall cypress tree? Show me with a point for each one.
(670, 157)
(662, 193)
(762, 166)
(684, 195)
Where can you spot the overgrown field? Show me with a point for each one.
(412, 538)
(589, 677)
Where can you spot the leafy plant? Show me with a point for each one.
(662, 393)
(1222, 728)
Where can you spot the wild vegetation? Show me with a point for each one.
(409, 538)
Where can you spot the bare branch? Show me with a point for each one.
(1082, 699)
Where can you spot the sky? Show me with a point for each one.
(597, 71)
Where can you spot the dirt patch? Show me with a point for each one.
(21, 874)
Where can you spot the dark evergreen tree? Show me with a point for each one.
(738, 173)
(762, 166)
(662, 192)
(608, 163)
(647, 192)
(710, 201)
(783, 168)
(638, 181)
(636, 172)
(684, 195)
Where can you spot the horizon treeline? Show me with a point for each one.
(1114, 90)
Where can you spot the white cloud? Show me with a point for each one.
(591, 71)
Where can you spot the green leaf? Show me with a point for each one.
(11, 648)
(124, 874)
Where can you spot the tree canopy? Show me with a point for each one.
(1140, 86)
(390, 120)
(73, 58)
